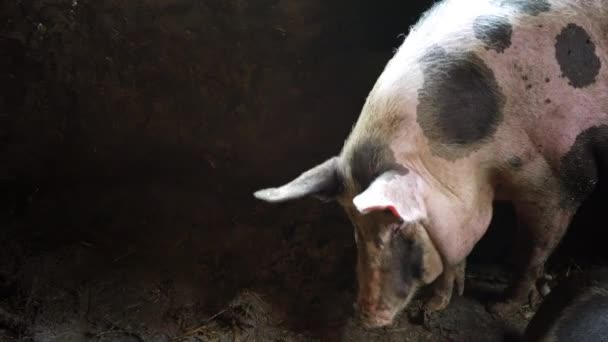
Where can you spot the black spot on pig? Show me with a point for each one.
(515, 162)
(494, 31)
(531, 7)
(575, 53)
(581, 166)
(406, 262)
(370, 159)
(460, 102)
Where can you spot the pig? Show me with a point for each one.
(485, 100)
(577, 310)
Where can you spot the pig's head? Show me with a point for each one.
(395, 254)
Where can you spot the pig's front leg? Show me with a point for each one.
(542, 224)
(443, 287)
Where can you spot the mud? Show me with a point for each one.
(132, 135)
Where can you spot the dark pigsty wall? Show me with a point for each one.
(258, 89)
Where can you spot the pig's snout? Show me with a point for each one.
(374, 315)
(375, 320)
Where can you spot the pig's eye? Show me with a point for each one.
(379, 243)
(395, 227)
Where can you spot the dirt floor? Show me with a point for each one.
(132, 135)
(111, 269)
(167, 262)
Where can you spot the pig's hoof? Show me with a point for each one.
(431, 310)
(436, 303)
(503, 309)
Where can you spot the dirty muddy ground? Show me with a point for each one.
(161, 262)
(132, 134)
(165, 261)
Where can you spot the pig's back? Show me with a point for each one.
(554, 78)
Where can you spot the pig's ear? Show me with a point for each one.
(322, 181)
(400, 192)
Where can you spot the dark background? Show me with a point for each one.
(133, 133)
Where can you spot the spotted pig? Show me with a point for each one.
(485, 100)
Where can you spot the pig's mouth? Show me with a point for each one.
(377, 319)
(384, 315)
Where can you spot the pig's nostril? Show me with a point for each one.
(383, 308)
(373, 314)
(365, 317)
(363, 311)
(365, 305)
